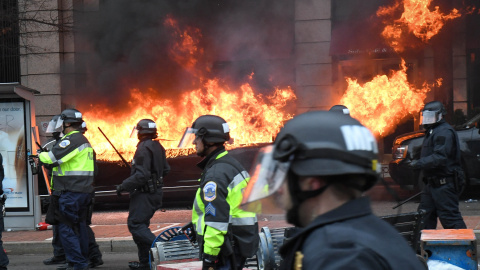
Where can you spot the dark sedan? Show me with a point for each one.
(180, 185)
(409, 146)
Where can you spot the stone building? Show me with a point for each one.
(324, 42)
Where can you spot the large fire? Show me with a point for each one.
(417, 18)
(385, 101)
(253, 118)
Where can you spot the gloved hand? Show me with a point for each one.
(119, 190)
(189, 231)
(209, 262)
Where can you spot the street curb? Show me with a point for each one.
(111, 245)
(45, 247)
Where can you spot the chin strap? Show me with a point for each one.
(298, 197)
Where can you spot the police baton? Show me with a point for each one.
(407, 200)
(120, 155)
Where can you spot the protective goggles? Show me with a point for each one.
(187, 138)
(430, 117)
(264, 191)
(55, 125)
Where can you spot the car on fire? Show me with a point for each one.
(408, 146)
(180, 185)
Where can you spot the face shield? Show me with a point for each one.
(265, 192)
(187, 138)
(430, 117)
(55, 125)
(134, 132)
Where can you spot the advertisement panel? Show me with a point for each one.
(13, 151)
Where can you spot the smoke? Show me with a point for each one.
(128, 44)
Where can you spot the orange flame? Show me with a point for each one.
(384, 102)
(417, 18)
(252, 118)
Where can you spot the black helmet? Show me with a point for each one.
(328, 143)
(212, 128)
(146, 126)
(432, 113)
(340, 108)
(71, 116)
(317, 143)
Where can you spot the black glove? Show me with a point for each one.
(189, 231)
(119, 190)
(210, 262)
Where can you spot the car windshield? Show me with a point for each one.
(471, 122)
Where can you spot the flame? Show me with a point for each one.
(416, 18)
(385, 101)
(253, 118)
(185, 48)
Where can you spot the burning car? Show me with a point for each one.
(180, 185)
(408, 146)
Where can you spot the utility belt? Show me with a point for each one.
(152, 185)
(437, 181)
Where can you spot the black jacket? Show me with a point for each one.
(440, 154)
(350, 237)
(149, 159)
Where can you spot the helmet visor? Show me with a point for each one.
(134, 132)
(187, 138)
(429, 117)
(53, 126)
(264, 192)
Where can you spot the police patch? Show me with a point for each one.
(64, 143)
(210, 191)
(210, 210)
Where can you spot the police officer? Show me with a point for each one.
(73, 175)
(226, 234)
(3, 256)
(439, 161)
(149, 166)
(317, 170)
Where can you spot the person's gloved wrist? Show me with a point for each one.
(210, 262)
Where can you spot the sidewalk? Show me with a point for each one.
(110, 237)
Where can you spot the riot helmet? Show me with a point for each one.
(145, 127)
(71, 116)
(340, 108)
(317, 143)
(432, 113)
(210, 128)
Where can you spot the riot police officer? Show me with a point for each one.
(441, 166)
(73, 171)
(149, 166)
(317, 170)
(226, 234)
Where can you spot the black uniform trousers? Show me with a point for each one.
(441, 202)
(141, 209)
